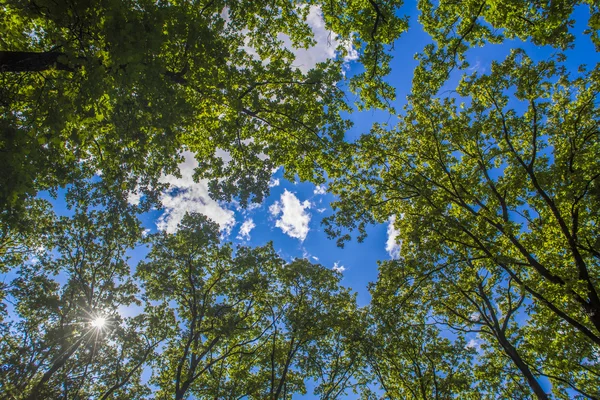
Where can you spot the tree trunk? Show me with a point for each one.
(28, 61)
(56, 365)
(523, 367)
(180, 393)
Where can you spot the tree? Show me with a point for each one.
(313, 323)
(471, 297)
(407, 354)
(67, 337)
(24, 238)
(457, 27)
(507, 180)
(244, 323)
(493, 189)
(120, 89)
(217, 303)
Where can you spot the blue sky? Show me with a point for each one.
(290, 217)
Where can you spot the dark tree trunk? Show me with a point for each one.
(56, 365)
(523, 367)
(27, 61)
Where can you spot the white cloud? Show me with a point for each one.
(352, 53)
(391, 246)
(250, 207)
(326, 44)
(294, 218)
(247, 226)
(185, 195)
(253, 206)
(274, 182)
(315, 258)
(338, 268)
(275, 209)
(478, 67)
(224, 155)
(321, 210)
(134, 198)
(320, 189)
(475, 343)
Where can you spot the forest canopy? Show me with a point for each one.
(488, 178)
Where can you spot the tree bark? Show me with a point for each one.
(523, 367)
(29, 61)
(56, 365)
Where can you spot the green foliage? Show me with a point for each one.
(217, 322)
(493, 189)
(243, 323)
(119, 89)
(51, 349)
(456, 27)
(406, 352)
(505, 182)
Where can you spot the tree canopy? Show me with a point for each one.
(492, 191)
(119, 89)
(489, 180)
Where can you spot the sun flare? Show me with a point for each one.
(99, 322)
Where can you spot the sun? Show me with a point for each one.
(99, 322)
